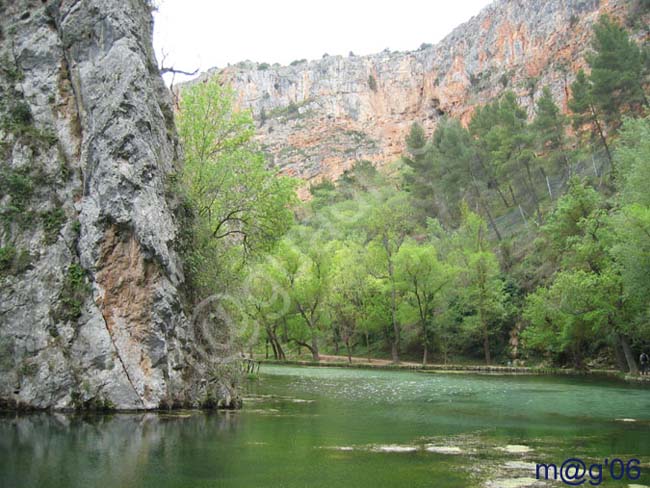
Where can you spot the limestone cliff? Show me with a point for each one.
(90, 309)
(316, 118)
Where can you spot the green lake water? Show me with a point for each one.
(335, 428)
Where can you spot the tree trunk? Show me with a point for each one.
(368, 345)
(275, 342)
(629, 355)
(347, 346)
(602, 135)
(285, 331)
(486, 208)
(424, 341)
(394, 352)
(568, 164)
(486, 342)
(512, 194)
(577, 358)
(275, 349)
(396, 332)
(393, 310)
(503, 198)
(533, 193)
(492, 223)
(548, 182)
(492, 179)
(314, 352)
(621, 362)
(314, 346)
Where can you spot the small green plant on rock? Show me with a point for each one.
(13, 261)
(53, 220)
(18, 185)
(73, 294)
(10, 70)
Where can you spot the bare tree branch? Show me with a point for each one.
(164, 69)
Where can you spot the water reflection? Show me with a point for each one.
(103, 450)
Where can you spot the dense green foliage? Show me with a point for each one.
(239, 207)
(519, 237)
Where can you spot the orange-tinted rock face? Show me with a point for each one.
(316, 118)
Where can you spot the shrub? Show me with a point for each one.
(21, 114)
(372, 83)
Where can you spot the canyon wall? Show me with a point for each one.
(316, 118)
(92, 312)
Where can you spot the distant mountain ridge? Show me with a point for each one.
(316, 118)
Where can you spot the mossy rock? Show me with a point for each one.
(73, 294)
(53, 221)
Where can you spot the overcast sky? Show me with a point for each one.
(207, 33)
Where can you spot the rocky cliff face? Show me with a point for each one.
(316, 118)
(90, 309)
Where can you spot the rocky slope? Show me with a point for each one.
(316, 118)
(91, 313)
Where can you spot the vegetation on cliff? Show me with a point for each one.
(514, 238)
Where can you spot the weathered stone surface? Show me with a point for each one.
(92, 314)
(316, 118)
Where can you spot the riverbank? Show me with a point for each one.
(384, 364)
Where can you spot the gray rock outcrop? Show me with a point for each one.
(91, 308)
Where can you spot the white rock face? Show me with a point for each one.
(316, 118)
(90, 308)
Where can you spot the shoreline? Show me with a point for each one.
(462, 369)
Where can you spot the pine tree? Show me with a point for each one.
(420, 179)
(616, 72)
(549, 127)
(615, 85)
(585, 118)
